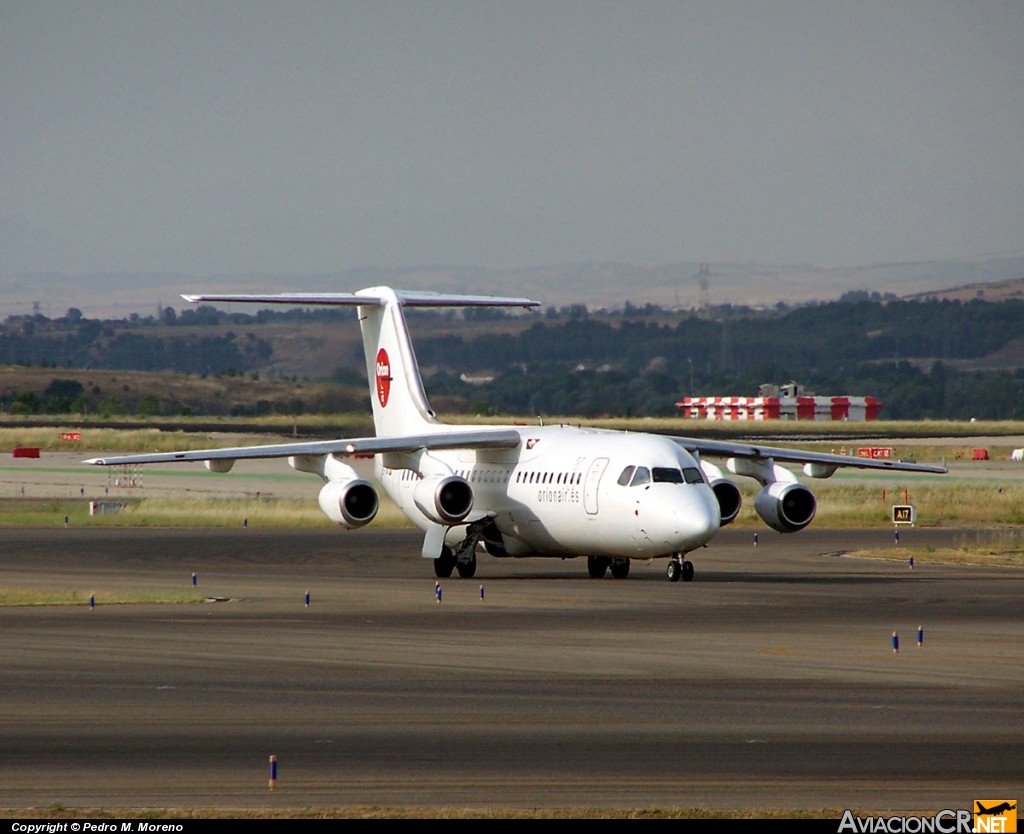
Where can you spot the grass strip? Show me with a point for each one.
(10, 597)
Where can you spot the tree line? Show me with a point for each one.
(904, 353)
(633, 362)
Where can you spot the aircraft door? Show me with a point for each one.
(591, 483)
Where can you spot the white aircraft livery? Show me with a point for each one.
(557, 491)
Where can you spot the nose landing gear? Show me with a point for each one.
(679, 568)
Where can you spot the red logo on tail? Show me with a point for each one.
(383, 377)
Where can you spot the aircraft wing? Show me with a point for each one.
(485, 439)
(817, 464)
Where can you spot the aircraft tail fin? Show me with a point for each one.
(399, 402)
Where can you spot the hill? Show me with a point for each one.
(28, 390)
(993, 291)
(683, 285)
(925, 359)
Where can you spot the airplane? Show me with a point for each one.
(556, 491)
(995, 811)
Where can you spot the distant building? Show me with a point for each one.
(477, 379)
(780, 403)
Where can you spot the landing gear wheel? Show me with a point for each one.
(597, 566)
(674, 570)
(687, 571)
(467, 570)
(444, 564)
(620, 568)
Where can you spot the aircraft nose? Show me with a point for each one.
(706, 517)
(688, 519)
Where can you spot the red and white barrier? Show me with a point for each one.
(780, 408)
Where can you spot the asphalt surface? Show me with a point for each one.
(769, 682)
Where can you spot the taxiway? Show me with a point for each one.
(770, 681)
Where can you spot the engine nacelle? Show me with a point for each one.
(786, 506)
(729, 499)
(444, 499)
(728, 494)
(350, 502)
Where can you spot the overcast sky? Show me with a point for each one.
(307, 137)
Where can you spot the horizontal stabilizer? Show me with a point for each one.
(407, 298)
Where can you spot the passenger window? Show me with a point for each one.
(627, 473)
(641, 476)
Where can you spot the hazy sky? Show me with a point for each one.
(309, 137)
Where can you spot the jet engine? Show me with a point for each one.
(727, 493)
(729, 499)
(786, 506)
(350, 502)
(444, 499)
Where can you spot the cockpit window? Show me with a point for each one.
(627, 473)
(665, 475)
(692, 475)
(641, 476)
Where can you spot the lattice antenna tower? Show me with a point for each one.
(704, 283)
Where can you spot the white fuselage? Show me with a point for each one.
(563, 492)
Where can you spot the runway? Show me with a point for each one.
(769, 682)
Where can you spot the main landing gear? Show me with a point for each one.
(467, 568)
(597, 567)
(679, 568)
(445, 563)
(448, 562)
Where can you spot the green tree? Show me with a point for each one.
(26, 402)
(149, 406)
(110, 406)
